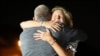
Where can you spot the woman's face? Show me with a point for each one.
(58, 16)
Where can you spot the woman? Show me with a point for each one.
(62, 16)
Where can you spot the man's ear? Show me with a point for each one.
(33, 18)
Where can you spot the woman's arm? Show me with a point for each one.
(29, 23)
(47, 37)
(48, 24)
(59, 49)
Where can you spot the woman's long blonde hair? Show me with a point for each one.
(67, 14)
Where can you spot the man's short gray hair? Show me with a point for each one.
(41, 12)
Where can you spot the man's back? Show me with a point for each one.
(32, 47)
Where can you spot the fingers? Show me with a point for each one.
(53, 29)
(58, 28)
(58, 24)
(36, 36)
(39, 31)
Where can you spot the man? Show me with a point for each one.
(31, 47)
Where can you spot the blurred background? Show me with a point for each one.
(86, 15)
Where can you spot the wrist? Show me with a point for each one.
(52, 41)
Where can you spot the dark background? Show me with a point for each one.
(85, 16)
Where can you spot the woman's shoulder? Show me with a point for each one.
(75, 33)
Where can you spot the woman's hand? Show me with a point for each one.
(46, 36)
(52, 25)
